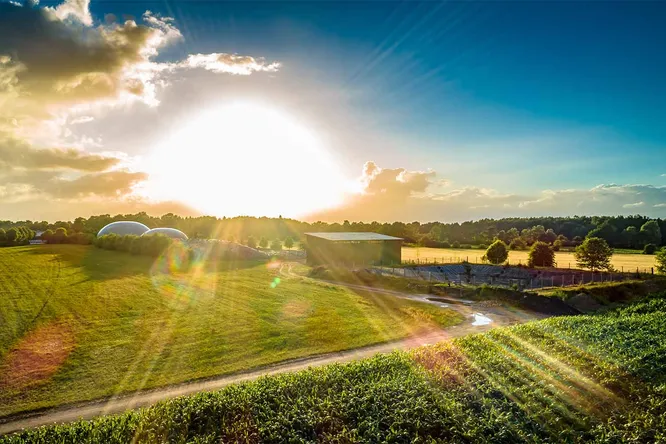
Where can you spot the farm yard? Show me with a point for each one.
(597, 378)
(79, 322)
(564, 259)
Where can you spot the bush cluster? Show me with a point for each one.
(153, 246)
(16, 236)
(60, 236)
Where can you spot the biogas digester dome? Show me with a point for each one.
(123, 228)
(169, 232)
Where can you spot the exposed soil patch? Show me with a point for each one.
(37, 356)
(584, 303)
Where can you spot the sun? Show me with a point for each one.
(245, 159)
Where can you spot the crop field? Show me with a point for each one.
(79, 323)
(564, 259)
(598, 378)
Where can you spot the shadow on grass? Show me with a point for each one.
(100, 265)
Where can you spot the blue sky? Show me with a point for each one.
(576, 82)
(511, 98)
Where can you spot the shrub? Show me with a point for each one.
(446, 244)
(456, 244)
(497, 253)
(557, 245)
(263, 242)
(649, 249)
(661, 260)
(541, 255)
(251, 242)
(518, 244)
(289, 242)
(276, 245)
(60, 236)
(594, 253)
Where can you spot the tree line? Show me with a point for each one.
(618, 231)
(20, 235)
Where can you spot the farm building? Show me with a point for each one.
(352, 249)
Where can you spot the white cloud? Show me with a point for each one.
(634, 205)
(77, 9)
(228, 63)
(82, 119)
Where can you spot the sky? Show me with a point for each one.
(319, 110)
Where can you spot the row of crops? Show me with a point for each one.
(570, 379)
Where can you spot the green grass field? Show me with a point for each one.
(598, 378)
(78, 323)
(564, 259)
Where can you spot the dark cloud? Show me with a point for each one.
(107, 184)
(58, 60)
(18, 154)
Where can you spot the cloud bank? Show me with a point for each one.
(59, 64)
(398, 194)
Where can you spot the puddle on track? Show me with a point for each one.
(480, 319)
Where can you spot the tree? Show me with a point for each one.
(651, 233)
(630, 236)
(251, 242)
(549, 236)
(497, 253)
(47, 236)
(276, 245)
(3, 235)
(60, 236)
(594, 253)
(511, 235)
(12, 235)
(606, 231)
(649, 249)
(289, 242)
(263, 242)
(661, 260)
(518, 244)
(435, 232)
(541, 255)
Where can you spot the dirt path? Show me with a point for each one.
(478, 318)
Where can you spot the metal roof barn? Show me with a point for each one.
(352, 249)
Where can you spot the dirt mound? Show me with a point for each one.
(37, 356)
(584, 303)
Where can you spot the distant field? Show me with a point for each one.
(79, 323)
(565, 259)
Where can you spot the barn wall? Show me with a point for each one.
(361, 253)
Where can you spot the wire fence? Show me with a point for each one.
(521, 278)
(519, 263)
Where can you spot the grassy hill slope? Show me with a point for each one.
(598, 378)
(79, 323)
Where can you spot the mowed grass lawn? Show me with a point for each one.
(564, 259)
(79, 323)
